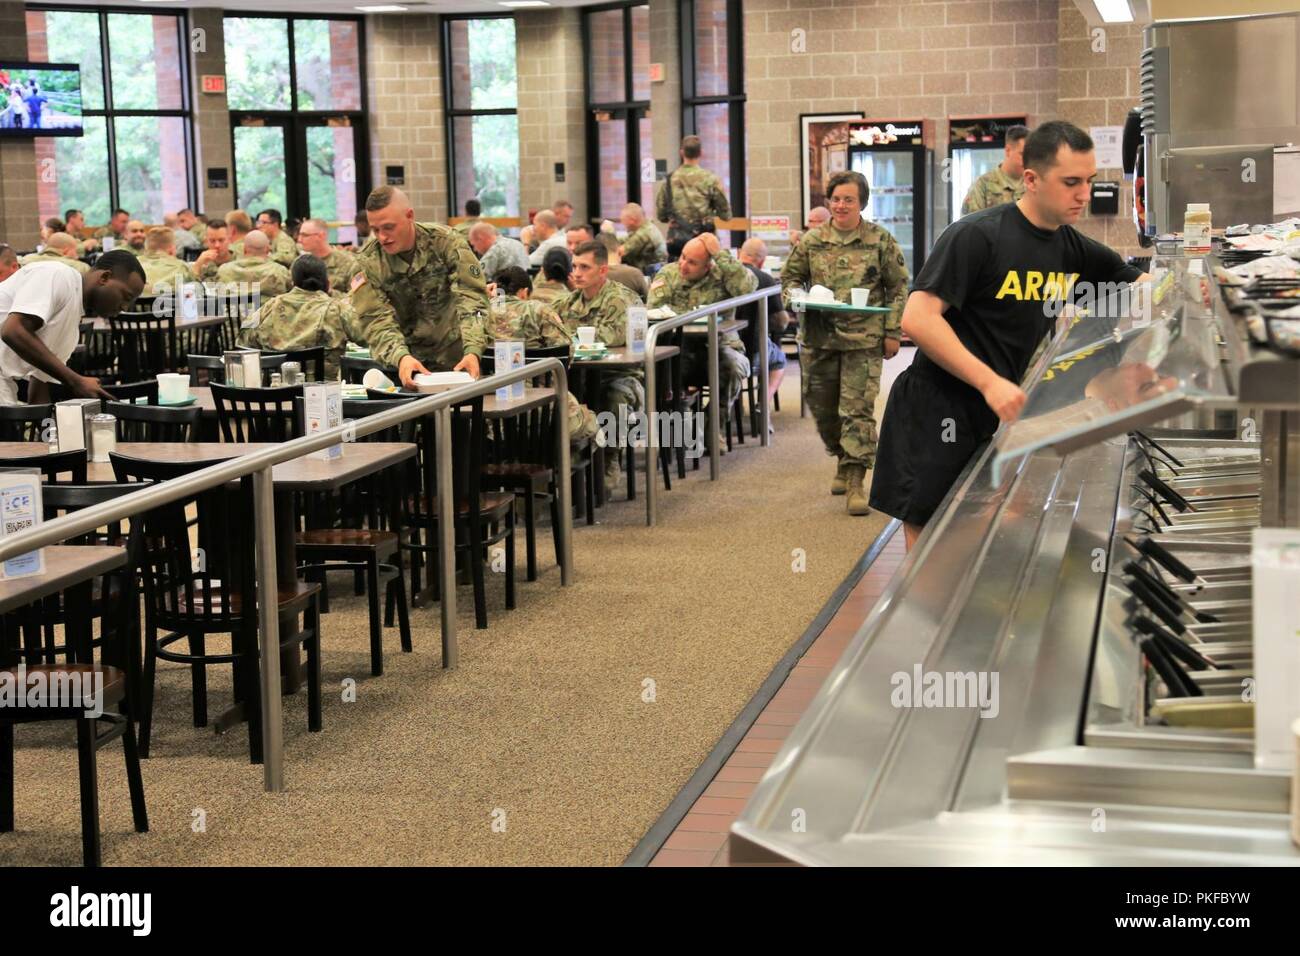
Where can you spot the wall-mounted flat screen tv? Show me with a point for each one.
(40, 99)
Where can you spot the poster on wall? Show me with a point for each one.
(825, 139)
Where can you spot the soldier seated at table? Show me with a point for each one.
(552, 284)
(536, 324)
(256, 267)
(304, 317)
(61, 248)
(161, 267)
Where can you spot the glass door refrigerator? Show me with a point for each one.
(897, 163)
(974, 147)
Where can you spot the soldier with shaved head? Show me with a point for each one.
(644, 245)
(341, 266)
(256, 267)
(59, 247)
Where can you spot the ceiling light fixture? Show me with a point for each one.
(524, 3)
(1114, 11)
(384, 8)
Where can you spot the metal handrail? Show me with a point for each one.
(651, 393)
(259, 465)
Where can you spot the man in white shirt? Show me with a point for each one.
(41, 307)
(546, 229)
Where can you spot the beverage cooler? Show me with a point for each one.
(1088, 656)
(898, 166)
(975, 146)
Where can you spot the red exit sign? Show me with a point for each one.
(213, 83)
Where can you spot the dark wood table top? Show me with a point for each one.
(302, 474)
(65, 565)
(619, 358)
(182, 324)
(533, 397)
(724, 328)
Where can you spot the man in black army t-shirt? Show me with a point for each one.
(977, 314)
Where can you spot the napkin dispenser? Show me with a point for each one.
(72, 419)
(243, 368)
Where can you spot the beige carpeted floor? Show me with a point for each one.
(567, 729)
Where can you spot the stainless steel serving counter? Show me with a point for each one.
(1022, 740)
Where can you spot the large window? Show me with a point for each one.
(480, 85)
(616, 40)
(137, 149)
(713, 89)
(297, 114)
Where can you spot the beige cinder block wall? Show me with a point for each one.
(212, 142)
(548, 45)
(19, 213)
(404, 90)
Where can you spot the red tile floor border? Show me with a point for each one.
(722, 802)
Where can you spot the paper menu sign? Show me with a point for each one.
(189, 301)
(1275, 580)
(21, 508)
(1108, 142)
(637, 323)
(508, 355)
(323, 409)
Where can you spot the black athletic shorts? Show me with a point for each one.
(933, 424)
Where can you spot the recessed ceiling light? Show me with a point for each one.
(524, 3)
(383, 8)
(1114, 11)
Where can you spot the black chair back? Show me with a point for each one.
(144, 343)
(311, 360)
(256, 414)
(72, 463)
(98, 360)
(354, 369)
(205, 369)
(155, 423)
(24, 422)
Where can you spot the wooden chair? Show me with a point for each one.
(144, 343)
(312, 361)
(361, 531)
(354, 369)
(24, 422)
(155, 423)
(209, 369)
(183, 602)
(99, 360)
(255, 414)
(71, 463)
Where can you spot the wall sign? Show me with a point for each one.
(395, 175)
(559, 172)
(1109, 141)
(212, 83)
(218, 177)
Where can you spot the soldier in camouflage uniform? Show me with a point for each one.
(217, 239)
(341, 266)
(644, 245)
(704, 274)
(599, 301)
(520, 319)
(283, 249)
(842, 352)
(59, 247)
(421, 292)
(116, 228)
(1003, 183)
(691, 198)
(254, 266)
(162, 270)
(473, 213)
(552, 284)
(304, 317)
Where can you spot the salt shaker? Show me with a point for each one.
(103, 437)
(276, 380)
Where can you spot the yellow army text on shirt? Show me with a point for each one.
(644, 246)
(992, 189)
(300, 319)
(607, 311)
(867, 257)
(696, 197)
(427, 306)
(283, 249)
(727, 277)
(50, 256)
(161, 270)
(272, 279)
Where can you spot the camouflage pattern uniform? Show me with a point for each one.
(552, 293)
(426, 307)
(537, 326)
(272, 278)
(106, 232)
(505, 252)
(300, 319)
(209, 271)
(841, 353)
(727, 277)
(161, 269)
(607, 311)
(644, 246)
(341, 266)
(697, 198)
(283, 249)
(50, 256)
(463, 228)
(992, 189)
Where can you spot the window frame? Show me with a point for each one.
(734, 98)
(451, 114)
(109, 114)
(633, 111)
(295, 121)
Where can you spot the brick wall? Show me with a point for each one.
(1099, 84)
(404, 93)
(552, 120)
(19, 213)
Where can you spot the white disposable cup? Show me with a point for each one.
(586, 335)
(860, 297)
(376, 379)
(173, 387)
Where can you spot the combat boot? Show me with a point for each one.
(838, 483)
(857, 497)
